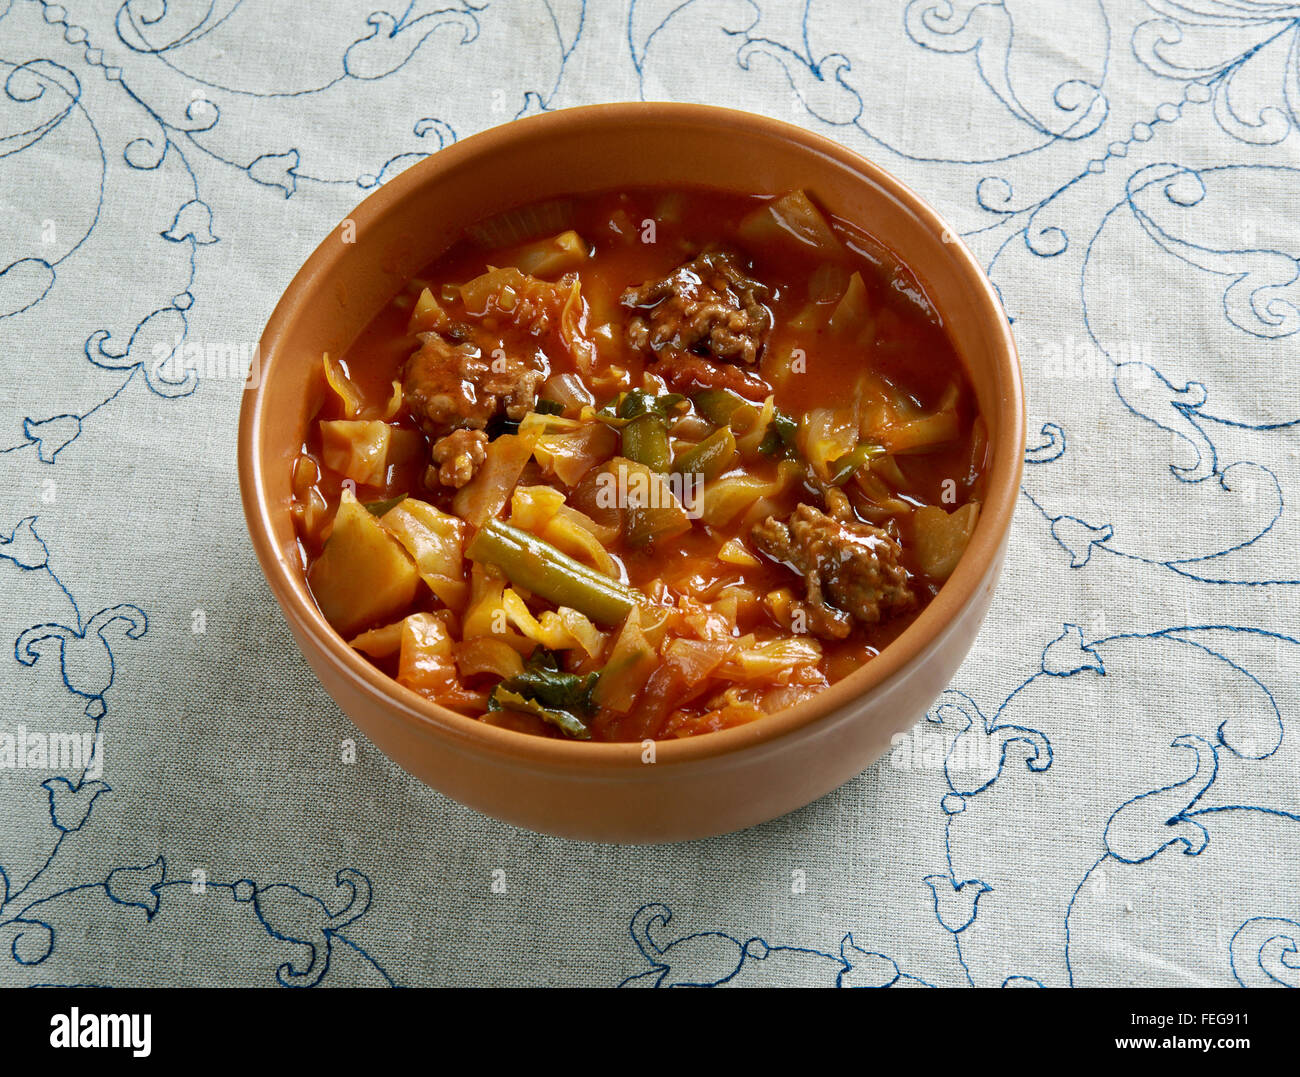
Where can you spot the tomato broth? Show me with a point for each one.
(547, 486)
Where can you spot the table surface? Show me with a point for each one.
(1128, 172)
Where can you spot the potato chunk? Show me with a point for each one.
(941, 538)
(363, 576)
(364, 449)
(552, 256)
(792, 218)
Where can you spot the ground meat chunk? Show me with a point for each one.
(449, 385)
(707, 306)
(852, 570)
(457, 457)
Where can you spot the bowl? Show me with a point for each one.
(669, 790)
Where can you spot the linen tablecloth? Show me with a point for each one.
(1107, 794)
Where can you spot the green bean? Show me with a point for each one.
(710, 457)
(716, 405)
(653, 511)
(645, 440)
(539, 567)
(647, 524)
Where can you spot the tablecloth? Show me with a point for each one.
(1107, 793)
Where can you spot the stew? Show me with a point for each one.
(641, 464)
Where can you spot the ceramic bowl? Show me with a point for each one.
(698, 786)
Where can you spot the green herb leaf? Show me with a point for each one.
(543, 681)
(780, 433)
(378, 508)
(639, 402)
(570, 725)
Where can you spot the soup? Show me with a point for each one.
(638, 465)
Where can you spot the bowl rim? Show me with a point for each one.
(931, 624)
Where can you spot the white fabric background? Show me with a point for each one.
(1129, 171)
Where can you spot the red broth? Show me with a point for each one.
(852, 333)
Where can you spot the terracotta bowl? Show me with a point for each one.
(703, 785)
